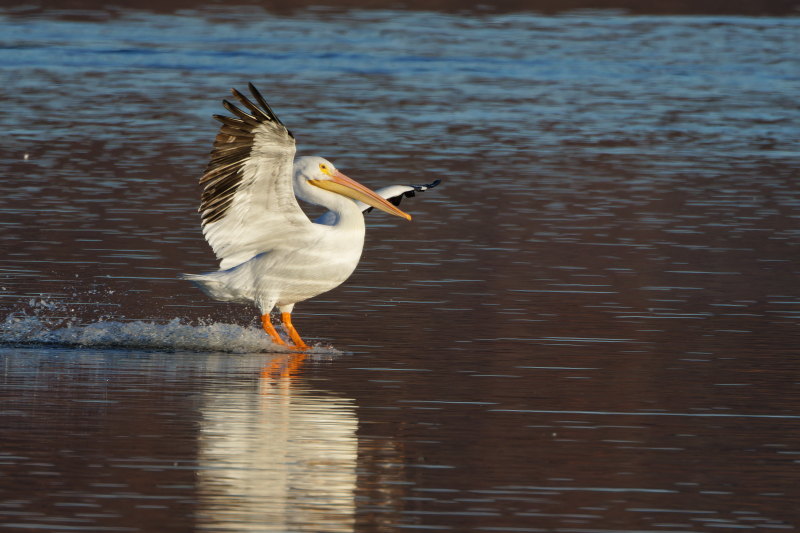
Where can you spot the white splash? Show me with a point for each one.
(174, 335)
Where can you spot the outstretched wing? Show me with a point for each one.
(248, 204)
(395, 193)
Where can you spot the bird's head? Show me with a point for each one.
(321, 173)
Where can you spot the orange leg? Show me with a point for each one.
(287, 322)
(269, 328)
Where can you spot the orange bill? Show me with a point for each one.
(341, 184)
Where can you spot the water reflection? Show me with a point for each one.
(135, 441)
(280, 458)
(617, 235)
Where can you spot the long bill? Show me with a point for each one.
(341, 184)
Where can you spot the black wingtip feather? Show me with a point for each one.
(257, 112)
(234, 123)
(263, 103)
(247, 117)
(420, 188)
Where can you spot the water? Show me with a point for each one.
(591, 325)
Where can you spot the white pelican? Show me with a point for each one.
(270, 253)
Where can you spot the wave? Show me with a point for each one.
(174, 336)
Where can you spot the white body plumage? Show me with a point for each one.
(311, 263)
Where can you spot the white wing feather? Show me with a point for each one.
(249, 206)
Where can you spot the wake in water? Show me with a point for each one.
(174, 335)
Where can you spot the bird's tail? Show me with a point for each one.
(211, 285)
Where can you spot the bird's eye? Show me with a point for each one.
(323, 167)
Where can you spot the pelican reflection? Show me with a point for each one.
(278, 457)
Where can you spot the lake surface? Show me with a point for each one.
(591, 325)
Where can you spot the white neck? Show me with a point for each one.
(345, 210)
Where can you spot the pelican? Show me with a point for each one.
(271, 254)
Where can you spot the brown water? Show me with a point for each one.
(590, 326)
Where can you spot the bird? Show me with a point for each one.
(271, 254)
